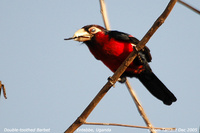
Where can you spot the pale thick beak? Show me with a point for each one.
(81, 35)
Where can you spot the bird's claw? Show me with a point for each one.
(135, 47)
(122, 80)
(111, 81)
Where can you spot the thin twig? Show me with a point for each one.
(156, 24)
(82, 118)
(139, 107)
(3, 89)
(125, 125)
(189, 6)
(104, 14)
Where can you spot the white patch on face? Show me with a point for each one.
(82, 35)
(93, 30)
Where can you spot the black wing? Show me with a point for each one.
(120, 36)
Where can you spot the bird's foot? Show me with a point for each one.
(122, 80)
(111, 81)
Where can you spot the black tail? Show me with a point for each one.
(156, 87)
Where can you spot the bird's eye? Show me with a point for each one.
(93, 30)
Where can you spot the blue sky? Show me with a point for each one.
(50, 81)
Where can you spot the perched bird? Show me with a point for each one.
(112, 48)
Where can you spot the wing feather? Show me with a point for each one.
(124, 37)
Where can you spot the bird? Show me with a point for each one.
(112, 47)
